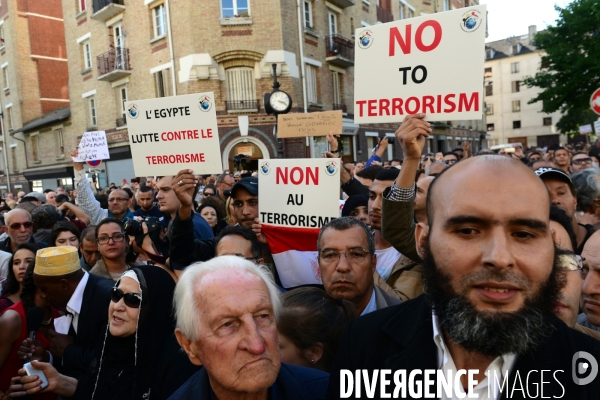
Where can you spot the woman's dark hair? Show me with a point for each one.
(109, 221)
(28, 291)
(63, 226)
(215, 203)
(212, 187)
(312, 316)
(11, 285)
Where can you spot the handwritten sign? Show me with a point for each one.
(93, 146)
(431, 64)
(169, 134)
(299, 192)
(311, 124)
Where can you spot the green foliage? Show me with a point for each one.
(571, 64)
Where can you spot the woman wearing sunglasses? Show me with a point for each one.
(138, 355)
(12, 286)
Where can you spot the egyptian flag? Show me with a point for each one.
(294, 251)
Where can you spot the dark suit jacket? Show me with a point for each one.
(185, 249)
(91, 326)
(401, 338)
(293, 383)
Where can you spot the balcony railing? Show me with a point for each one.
(340, 107)
(114, 64)
(384, 15)
(343, 3)
(340, 50)
(242, 106)
(105, 9)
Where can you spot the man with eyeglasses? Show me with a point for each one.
(347, 262)
(118, 200)
(63, 284)
(224, 182)
(19, 228)
(450, 159)
(580, 161)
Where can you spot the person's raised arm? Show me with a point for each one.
(411, 135)
(85, 198)
(184, 185)
(77, 211)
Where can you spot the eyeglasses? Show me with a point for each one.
(580, 161)
(114, 199)
(17, 225)
(133, 300)
(207, 194)
(354, 256)
(449, 162)
(571, 262)
(117, 237)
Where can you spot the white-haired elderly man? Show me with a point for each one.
(226, 311)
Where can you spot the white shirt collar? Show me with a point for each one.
(371, 306)
(74, 304)
(445, 362)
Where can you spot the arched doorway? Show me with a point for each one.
(246, 150)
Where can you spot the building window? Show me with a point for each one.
(87, 55)
(35, 147)
(2, 35)
(8, 118)
(446, 5)
(489, 54)
(159, 20)
(516, 86)
(514, 67)
(5, 76)
(401, 14)
(122, 95)
(37, 186)
(92, 110)
(489, 109)
(308, 20)
(311, 84)
(337, 89)
(13, 156)
(235, 8)
(60, 142)
(490, 127)
(515, 48)
(241, 85)
(516, 124)
(410, 13)
(81, 4)
(487, 72)
(516, 105)
(162, 83)
(332, 18)
(489, 89)
(547, 121)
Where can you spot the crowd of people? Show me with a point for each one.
(166, 288)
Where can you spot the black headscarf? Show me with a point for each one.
(124, 367)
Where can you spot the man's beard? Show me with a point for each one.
(491, 333)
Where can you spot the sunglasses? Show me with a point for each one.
(582, 161)
(133, 300)
(449, 162)
(17, 225)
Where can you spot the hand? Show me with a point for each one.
(412, 134)
(383, 144)
(333, 141)
(376, 163)
(58, 342)
(467, 149)
(15, 389)
(426, 163)
(328, 155)
(519, 152)
(77, 165)
(439, 157)
(32, 348)
(257, 229)
(32, 384)
(185, 193)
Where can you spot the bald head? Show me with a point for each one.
(486, 174)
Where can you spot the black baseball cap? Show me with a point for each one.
(250, 184)
(555, 173)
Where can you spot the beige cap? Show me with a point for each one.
(57, 261)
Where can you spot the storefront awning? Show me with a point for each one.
(33, 175)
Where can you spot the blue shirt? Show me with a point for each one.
(202, 229)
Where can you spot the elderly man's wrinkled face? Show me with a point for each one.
(118, 201)
(590, 296)
(19, 227)
(237, 341)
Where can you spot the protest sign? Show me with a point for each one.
(299, 192)
(309, 124)
(169, 134)
(92, 146)
(431, 64)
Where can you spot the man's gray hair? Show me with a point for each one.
(8, 216)
(184, 299)
(587, 187)
(220, 178)
(345, 223)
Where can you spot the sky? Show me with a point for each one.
(512, 17)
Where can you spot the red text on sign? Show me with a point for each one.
(396, 39)
(297, 176)
(439, 104)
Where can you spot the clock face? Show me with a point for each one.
(280, 101)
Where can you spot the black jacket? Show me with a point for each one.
(401, 338)
(186, 250)
(91, 326)
(5, 244)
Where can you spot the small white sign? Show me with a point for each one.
(431, 64)
(597, 127)
(585, 129)
(93, 146)
(169, 134)
(299, 192)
